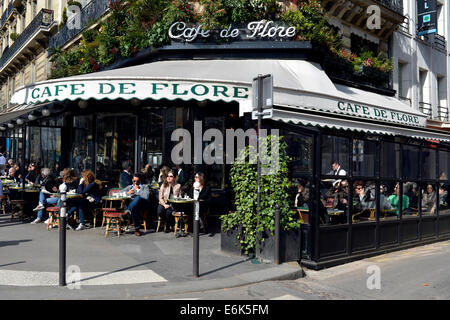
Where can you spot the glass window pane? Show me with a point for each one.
(428, 199)
(300, 150)
(390, 210)
(82, 147)
(364, 155)
(335, 153)
(411, 190)
(443, 199)
(428, 163)
(334, 199)
(302, 204)
(410, 162)
(443, 165)
(390, 160)
(364, 201)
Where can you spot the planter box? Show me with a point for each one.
(229, 243)
(290, 246)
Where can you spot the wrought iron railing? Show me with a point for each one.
(440, 42)
(405, 100)
(91, 12)
(443, 113)
(6, 14)
(425, 108)
(395, 5)
(404, 27)
(43, 19)
(436, 40)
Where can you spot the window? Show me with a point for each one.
(410, 162)
(45, 146)
(364, 156)
(404, 81)
(335, 155)
(443, 165)
(300, 149)
(83, 145)
(428, 163)
(364, 201)
(429, 200)
(390, 160)
(442, 98)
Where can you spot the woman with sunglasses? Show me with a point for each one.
(168, 190)
(204, 197)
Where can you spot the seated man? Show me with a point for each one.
(140, 194)
(48, 185)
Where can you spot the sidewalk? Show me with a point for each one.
(131, 267)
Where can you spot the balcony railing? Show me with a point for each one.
(394, 5)
(91, 12)
(6, 14)
(425, 108)
(436, 40)
(440, 42)
(404, 27)
(443, 113)
(43, 19)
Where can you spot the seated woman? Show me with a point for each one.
(394, 200)
(89, 187)
(302, 197)
(429, 199)
(168, 190)
(204, 197)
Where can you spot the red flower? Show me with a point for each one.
(113, 50)
(133, 49)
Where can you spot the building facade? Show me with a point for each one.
(327, 111)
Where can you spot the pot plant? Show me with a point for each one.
(252, 230)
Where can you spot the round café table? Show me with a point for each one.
(180, 205)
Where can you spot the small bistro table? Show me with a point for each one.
(179, 205)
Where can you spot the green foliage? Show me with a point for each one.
(74, 3)
(178, 10)
(366, 59)
(63, 19)
(274, 190)
(14, 36)
(214, 14)
(136, 24)
(311, 24)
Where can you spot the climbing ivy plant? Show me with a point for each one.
(273, 190)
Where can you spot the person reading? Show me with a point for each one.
(140, 194)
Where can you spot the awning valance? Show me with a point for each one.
(323, 120)
(297, 83)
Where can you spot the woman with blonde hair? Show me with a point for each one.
(168, 190)
(89, 187)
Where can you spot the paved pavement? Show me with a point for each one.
(126, 267)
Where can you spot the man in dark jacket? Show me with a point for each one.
(125, 176)
(48, 185)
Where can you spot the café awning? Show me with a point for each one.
(297, 83)
(318, 119)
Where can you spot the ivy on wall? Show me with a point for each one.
(273, 190)
(137, 24)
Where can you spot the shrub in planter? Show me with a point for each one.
(273, 190)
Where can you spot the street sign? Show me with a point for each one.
(266, 114)
(267, 92)
(426, 17)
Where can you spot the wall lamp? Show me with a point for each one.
(83, 104)
(45, 112)
(19, 121)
